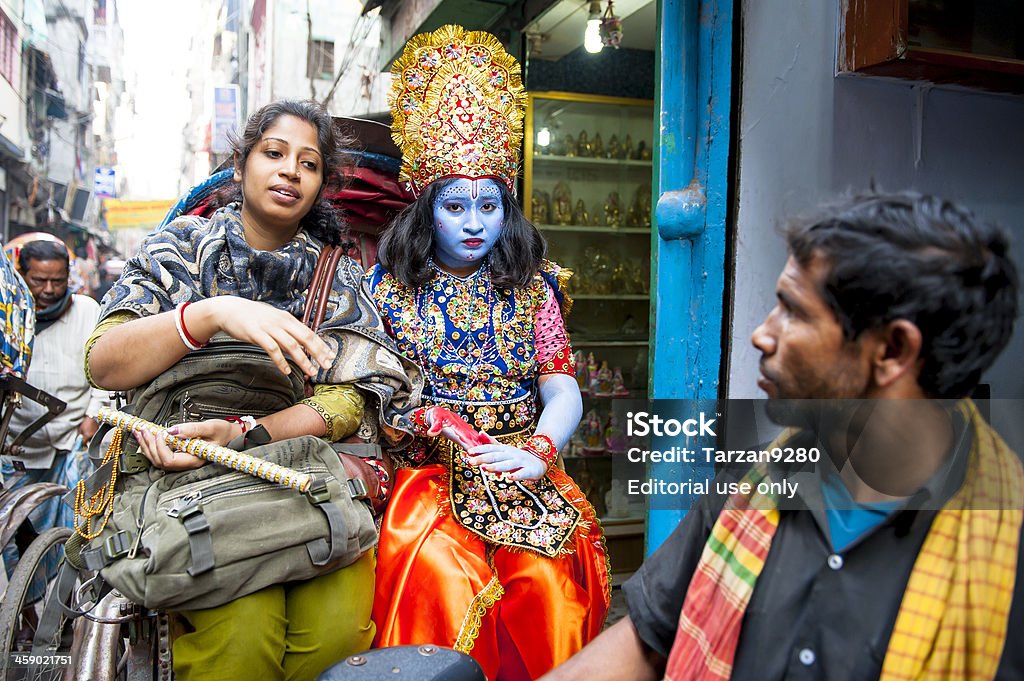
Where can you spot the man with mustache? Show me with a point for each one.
(63, 323)
(902, 560)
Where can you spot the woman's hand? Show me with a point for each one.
(499, 458)
(162, 456)
(276, 331)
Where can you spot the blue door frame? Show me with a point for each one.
(688, 244)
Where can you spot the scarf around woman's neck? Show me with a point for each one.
(193, 258)
(952, 621)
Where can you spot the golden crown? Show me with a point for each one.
(457, 103)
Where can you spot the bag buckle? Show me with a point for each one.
(357, 488)
(130, 464)
(116, 545)
(317, 492)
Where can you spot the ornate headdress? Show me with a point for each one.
(457, 102)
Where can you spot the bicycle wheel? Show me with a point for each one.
(19, 613)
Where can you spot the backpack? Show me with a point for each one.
(204, 537)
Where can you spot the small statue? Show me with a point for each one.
(614, 148)
(540, 206)
(620, 276)
(580, 216)
(570, 145)
(641, 279)
(581, 372)
(643, 152)
(615, 500)
(591, 364)
(644, 198)
(638, 374)
(614, 437)
(619, 388)
(612, 213)
(633, 217)
(639, 214)
(627, 147)
(604, 380)
(562, 204)
(583, 145)
(597, 146)
(593, 433)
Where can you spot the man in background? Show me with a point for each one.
(63, 323)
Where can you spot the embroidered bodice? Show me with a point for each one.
(481, 347)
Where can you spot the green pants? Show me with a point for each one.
(287, 632)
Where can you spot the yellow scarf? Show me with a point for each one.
(952, 621)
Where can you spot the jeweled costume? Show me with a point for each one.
(515, 573)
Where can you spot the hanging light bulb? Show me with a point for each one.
(592, 36)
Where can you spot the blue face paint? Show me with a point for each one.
(468, 216)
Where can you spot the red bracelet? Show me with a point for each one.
(247, 422)
(188, 338)
(542, 447)
(382, 478)
(420, 425)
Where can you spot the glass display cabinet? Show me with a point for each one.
(587, 187)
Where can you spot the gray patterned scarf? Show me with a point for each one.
(193, 258)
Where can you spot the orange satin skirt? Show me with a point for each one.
(518, 613)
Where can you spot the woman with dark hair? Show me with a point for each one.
(487, 546)
(245, 272)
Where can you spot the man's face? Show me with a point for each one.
(47, 280)
(803, 353)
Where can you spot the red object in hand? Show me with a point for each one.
(464, 434)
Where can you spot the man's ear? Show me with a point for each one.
(898, 355)
(237, 176)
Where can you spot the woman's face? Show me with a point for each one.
(282, 176)
(468, 216)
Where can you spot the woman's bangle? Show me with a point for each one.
(383, 478)
(186, 338)
(542, 447)
(247, 422)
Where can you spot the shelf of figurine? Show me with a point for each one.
(603, 273)
(600, 436)
(599, 380)
(583, 146)
(557, 209)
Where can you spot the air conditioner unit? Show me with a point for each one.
(77, 204)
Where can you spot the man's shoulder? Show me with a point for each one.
(85, 302)
(85, 308)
